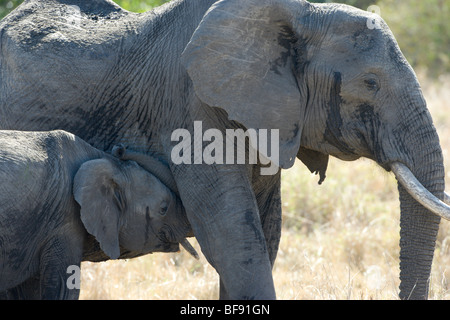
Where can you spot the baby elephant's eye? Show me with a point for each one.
(371, 84)
(163, 208)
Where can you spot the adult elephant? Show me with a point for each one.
(332, 81)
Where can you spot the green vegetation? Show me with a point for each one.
(7, 5)
(139, 5)
(421, 27)
(422, 30)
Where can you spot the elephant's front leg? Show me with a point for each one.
(224, 215)
(267, 190)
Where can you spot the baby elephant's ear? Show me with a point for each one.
(97, 190)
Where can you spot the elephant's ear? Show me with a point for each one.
(97, 190)
(245, 57)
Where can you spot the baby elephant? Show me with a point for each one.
(58, 193)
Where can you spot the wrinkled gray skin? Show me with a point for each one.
(47, 225)
(331, 85)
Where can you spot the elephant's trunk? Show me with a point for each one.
(419, 226)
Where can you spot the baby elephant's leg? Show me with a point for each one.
(28, 290)
(60, 269)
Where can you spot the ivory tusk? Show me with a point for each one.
(446, 198)
(189, 248)
(419, 192)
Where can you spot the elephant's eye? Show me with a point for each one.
(163, 208)
(371, 84)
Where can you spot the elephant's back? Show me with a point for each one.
(55, 57)
(30, 148)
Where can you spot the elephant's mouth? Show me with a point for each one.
(407, 179)
(170, 247)
(346, 156)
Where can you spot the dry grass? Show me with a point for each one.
(340, 240)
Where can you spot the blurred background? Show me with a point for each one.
(340, 240)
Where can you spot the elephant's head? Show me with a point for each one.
(123, 205)
(333, 83)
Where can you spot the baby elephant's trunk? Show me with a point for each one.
(189, 248)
